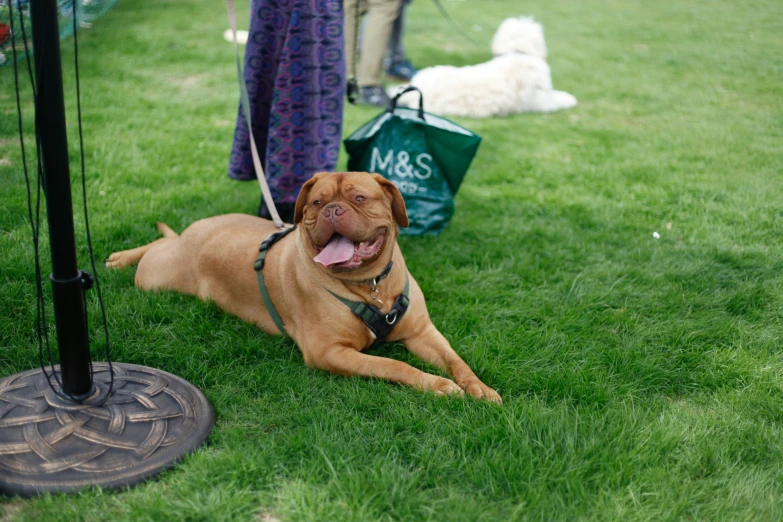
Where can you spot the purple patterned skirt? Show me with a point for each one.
(295, 74)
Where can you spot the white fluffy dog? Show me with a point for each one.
(516, 80)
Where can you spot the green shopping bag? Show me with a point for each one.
(424, 155)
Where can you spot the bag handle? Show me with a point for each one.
(409, 88)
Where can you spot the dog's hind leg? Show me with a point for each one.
(127, 258)
(166, 267)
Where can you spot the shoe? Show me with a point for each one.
(374, 95)
(402, 71)
(286, 211)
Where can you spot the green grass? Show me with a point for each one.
(642, 378)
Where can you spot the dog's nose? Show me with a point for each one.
(333, 211)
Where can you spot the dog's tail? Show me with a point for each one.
(164, 229)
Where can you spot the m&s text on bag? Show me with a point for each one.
(399, 166)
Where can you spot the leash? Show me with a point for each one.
(456, 26)
(245, 98)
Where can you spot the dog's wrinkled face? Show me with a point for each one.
(350, 219)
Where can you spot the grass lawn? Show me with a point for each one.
(642, 377)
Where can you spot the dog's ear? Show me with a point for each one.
(301, 201)
(397, 203)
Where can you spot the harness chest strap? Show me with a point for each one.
(379, 323)
(259, 267)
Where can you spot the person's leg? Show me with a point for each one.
(396, 64)
(380, 18)
(395, 51)
(307, 105)
(353, 11)
(263, 48)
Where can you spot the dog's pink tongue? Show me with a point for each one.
(338, 250)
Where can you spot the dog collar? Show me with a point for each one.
(373, 282)
(383, 274)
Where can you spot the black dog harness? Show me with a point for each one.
(379, 323)
(259, 267)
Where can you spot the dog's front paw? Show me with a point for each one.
(476, 388)
(441, 386)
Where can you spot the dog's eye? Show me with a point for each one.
(359, 199)
(317, 202)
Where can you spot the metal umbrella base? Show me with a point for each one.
(151, 420)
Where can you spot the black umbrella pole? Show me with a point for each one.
(67, 279)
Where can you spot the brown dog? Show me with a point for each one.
(346, 236)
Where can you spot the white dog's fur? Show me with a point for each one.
(516, 80)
